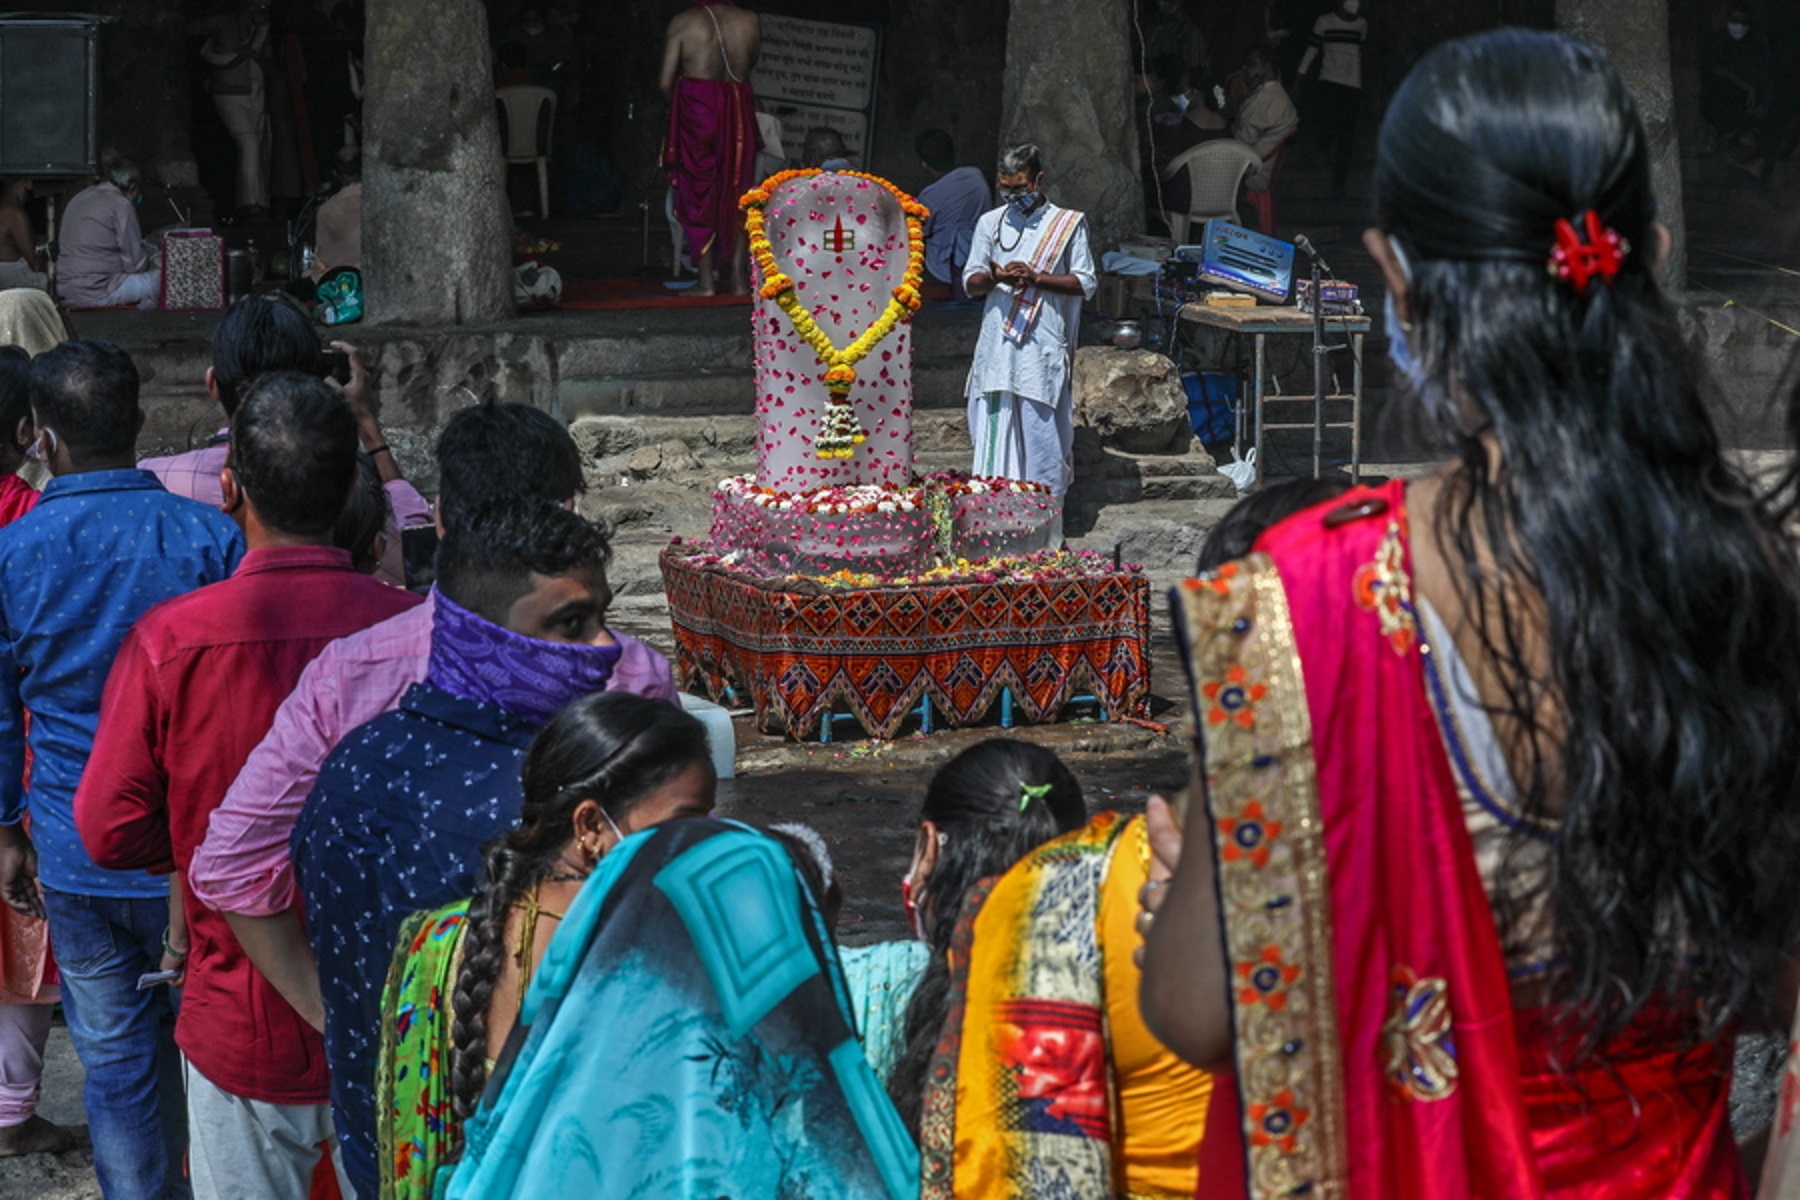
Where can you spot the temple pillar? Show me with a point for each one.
(1068, 87)
(436, 229)
(1635, 35)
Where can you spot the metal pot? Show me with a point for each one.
(240, 273)
(1126, 335)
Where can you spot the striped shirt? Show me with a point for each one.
(1340, 43)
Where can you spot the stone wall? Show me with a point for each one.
(1068, 88)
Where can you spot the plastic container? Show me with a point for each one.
(721, 739)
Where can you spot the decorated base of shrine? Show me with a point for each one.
(802, 649)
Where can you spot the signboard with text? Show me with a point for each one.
(817, 73)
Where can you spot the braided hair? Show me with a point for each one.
(611, 747)
(992, 804)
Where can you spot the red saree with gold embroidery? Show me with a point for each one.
(1378, 1053)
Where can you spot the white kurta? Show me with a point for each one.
(1020, 406)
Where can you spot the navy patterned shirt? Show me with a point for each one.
(99, 550)
(395, 824)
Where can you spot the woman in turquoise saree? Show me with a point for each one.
(688, 1035)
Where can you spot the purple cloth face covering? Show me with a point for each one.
(475, 659)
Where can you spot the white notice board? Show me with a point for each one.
(819, 73)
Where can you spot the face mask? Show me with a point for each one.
(617, 833)
(1023, 202)
(911, 907)
(1738, 32)
(1398, 349)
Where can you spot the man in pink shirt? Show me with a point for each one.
(259, 334)
(487, 453)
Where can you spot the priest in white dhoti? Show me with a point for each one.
(1031, 260)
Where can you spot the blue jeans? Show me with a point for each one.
(137, 1114)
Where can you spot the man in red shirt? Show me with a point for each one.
(193, 690)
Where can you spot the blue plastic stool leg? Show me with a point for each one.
(925, 714)
(1006, 708)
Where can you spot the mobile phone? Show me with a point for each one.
(418, 553)
(336, 366)
(150, 979)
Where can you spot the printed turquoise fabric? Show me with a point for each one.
(881, 978)
(688, 1037)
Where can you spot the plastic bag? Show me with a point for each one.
(340, 297)
(1241, 471)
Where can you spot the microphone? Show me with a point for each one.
(1305, 246)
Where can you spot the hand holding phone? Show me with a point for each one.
(150, 979)
(337, 367)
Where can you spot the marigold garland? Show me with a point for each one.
(840, 432)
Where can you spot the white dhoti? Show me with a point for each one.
(246, 120)
(1022, 439)
(1016, 438)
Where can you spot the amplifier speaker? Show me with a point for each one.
(48, 84)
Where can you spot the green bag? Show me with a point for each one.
(341, 296)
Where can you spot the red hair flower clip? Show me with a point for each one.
(1576, 261)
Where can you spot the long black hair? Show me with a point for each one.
(992, 804)
(610, 747)
(15, 403)
(1635, 598)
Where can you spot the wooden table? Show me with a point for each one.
(1258, 324)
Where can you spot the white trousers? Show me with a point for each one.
(247, 122)
(1016, 438)
(252, 1150)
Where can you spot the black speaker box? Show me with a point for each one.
(48, 83)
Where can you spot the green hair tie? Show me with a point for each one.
(1032, 791)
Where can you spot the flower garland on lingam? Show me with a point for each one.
(840, 432)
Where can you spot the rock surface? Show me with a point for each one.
(1067, 87)
(436, 230)
(1132, 399)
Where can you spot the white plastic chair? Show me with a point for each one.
(1214, 171)
(527, 117)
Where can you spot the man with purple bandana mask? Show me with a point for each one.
(404, 805)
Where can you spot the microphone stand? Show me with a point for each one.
(1320, 349)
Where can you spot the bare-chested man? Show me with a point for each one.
(20, 265)
(710, 152)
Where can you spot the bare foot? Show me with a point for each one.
(36, 1136)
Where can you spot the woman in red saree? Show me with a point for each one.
(1498, 768)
